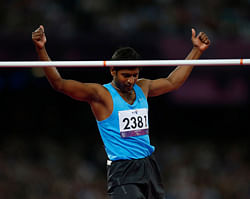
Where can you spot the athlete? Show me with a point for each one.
(121, 111)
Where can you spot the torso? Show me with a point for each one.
(125, 131)
(103, 108)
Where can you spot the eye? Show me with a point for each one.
(126, 75)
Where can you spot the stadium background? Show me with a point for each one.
(49, 143)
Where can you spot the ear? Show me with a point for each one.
(112, 71)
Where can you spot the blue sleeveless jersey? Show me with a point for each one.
(125, 131)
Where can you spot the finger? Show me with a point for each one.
(37, 38)
(42, 28)
(207, 41)
(37, 35)
(204, 38)
(37, 30)
(193, 33)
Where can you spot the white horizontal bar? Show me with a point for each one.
(129, 63)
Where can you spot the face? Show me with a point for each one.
(125, 79)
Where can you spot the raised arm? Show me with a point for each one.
(178, 76)
(77, 90)
(95, 94)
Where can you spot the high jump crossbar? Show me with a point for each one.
(127, 63)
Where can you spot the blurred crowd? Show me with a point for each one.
(72, 169)
(223, 18)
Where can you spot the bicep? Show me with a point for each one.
(80, 91)
(160, 86)
(155, 87)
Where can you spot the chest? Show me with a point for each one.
(128, 97)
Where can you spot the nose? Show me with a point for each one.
(131, 80)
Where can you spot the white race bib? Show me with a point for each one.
(133, 122)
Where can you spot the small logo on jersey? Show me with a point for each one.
(135, 112)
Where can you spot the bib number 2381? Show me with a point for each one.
(133, 122)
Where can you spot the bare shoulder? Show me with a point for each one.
(101, 92)
(144, 84)
(102, 104)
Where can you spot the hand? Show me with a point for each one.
(200, 41)
(38, 37)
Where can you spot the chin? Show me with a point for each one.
(129, 88)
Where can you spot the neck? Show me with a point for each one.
(121, 91)
(114, 85)
(128, 96)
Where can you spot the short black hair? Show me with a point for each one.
(125, 53)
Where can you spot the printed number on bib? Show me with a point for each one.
(133, 122)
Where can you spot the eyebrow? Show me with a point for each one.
(129, 74)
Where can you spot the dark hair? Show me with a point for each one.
(126, 53)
